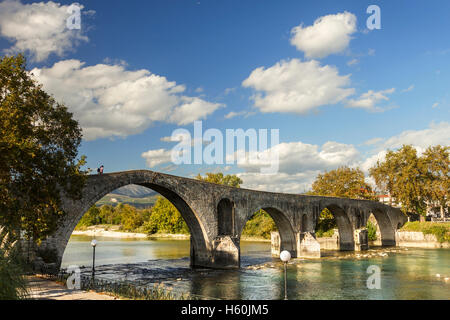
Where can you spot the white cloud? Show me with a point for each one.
(157, 157)
(110, 101)
(437, 133)
(410, 88)
(297, 87)
(282, 182)
(435, 105)
(370, 99)
(233, 114)
(373, 141)
(229, 90)
(301, 163)
(352, 62)
(296, 157)
(329, 34)
(38, 28)
(191, 109)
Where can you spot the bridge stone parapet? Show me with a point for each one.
(216, 216)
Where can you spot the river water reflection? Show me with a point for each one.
(405, 273)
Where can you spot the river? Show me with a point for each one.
(406, 273)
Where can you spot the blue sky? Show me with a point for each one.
(381, 88)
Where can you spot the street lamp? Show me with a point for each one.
(93, 244)
(285, 256)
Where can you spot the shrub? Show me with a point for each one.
(372, 231)
(12, 280)
(440, 230)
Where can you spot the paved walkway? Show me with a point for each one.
(43, 289)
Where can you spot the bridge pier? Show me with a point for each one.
(307, 245)
(225, 253)
(361, 237)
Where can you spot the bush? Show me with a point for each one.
(12, 280)
(372, 231)
(326, 224)
(324, 234)
(440, 230)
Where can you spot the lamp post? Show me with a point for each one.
(285, 256)
(93, 244)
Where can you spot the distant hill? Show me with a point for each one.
(134, 191)
(115, 199)
(137, 196)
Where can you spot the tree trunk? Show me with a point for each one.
(442, 212)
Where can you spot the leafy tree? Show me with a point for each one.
(91, 217)
(436, 161)
(402, 175)
(342, 182)
(260, 225)
(39, 143)
(219, 178)
(131, 219)
(108, 215)
(165, 218)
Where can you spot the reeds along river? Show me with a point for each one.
(404, 273)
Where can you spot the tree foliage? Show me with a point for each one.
(219, 178)
(39, 143)
(165, 218)
(259, 225)
(412, 180)
(342, 182)
(437, 186)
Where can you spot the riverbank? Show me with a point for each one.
(424, 235)
(114, 232)
(43, 289)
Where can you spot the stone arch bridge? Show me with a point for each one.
(217, 214)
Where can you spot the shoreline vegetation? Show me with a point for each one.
(113, 231)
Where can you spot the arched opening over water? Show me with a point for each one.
(169, 249)
(381, 231)
(334, 217)
(261, 223)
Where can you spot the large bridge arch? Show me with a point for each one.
(288, 240)
(387, 229)
(95, 192)
(345, 227)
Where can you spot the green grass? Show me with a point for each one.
(440, 230)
